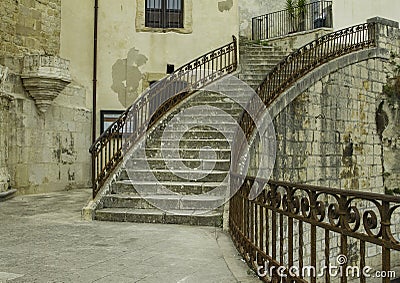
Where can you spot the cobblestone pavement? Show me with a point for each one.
(43, 239)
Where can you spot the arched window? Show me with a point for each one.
(164, 13)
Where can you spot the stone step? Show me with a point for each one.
(192, 133)
(191, 122)
(262, 52)
(174, 176)
(250, 62)
(184, 188)
(254, 82)
(199, 109)
(170, 202)
(201, 112)
(184, 217)
(190, 143)
(252, 77)
(183, 135)
(160, 163)
(226, 103)
(223, 153)
(250, 68)
(255, 47)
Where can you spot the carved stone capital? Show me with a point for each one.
(44, 77)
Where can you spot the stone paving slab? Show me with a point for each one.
(43, 239)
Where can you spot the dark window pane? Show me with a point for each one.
(153, 4)
(164, 14)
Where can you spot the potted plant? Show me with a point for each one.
(297, 14)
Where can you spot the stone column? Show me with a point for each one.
(5, 100)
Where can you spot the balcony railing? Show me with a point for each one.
(311, 16)
(302, 233)
(107, 151)
(290, 229)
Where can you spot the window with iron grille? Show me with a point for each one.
(164, 13)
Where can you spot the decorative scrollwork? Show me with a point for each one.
(305, 207)
(370, 222)
(333, 214)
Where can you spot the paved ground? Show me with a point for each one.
(43, 239)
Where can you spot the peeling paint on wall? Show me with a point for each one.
(225, 5)
(126, 76)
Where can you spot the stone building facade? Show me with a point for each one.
(45, 122)
(30, 26)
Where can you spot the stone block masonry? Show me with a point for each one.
(30, 26)
(327, 135)
(47, 151)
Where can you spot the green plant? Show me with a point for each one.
(296, 11)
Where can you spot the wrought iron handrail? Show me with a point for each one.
(298, 64)
(311, 16)
(270, 230)
(107, 150)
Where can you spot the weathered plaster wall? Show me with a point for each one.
(348, 13)
(30, 26)
(121, 75)
(253, 8)
(76, 43)
(47, 151)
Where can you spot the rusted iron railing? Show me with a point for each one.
(107, 151)
(295, 233)
(311, 16)
(298, 64)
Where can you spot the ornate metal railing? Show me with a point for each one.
(311, 16)
(107, 150)
(290, 229)
(298, 64)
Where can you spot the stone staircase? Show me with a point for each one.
(257, 61)
(179, 174)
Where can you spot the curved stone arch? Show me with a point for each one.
(322, 71)
(307, 81)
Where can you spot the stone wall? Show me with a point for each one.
(326, 124)
(45, 126)
(5, 100)
(46, 151)
(327, 135)
(336, 127)
(30, 26)
(253, 8)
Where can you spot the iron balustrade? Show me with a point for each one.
(107, 151)
(295, 225)
(358, 219)
(311, 16)
(299, 63)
